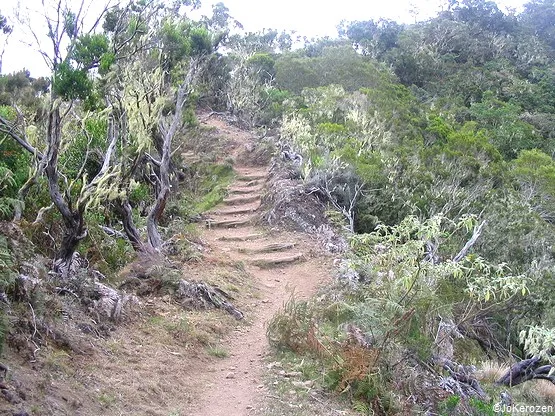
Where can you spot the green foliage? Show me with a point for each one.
(396, 308)
(448, 406)
(7, 282)
(7, 181)
(182, 39)
(207, 190)
(373, 38)
(217, 352)
(435, 125)
(139, 192)
(22, 89)
(539, 341)
(338, 65)
(69, 22)
(534, 172)
(480, 407)
(13, 169)
(176, 43)
(83, 154)
(289, 329)
(89, 50)
(509, 133)
(263, 64)
(439, 130)
(108, 254)
(70, 83)
(106, 61)
(275, 107)
(214, 186)
(116, 253)
(7, 274)
(537, 18)
(417, 340)
(400, 250)
(201, 41)
(264, 41)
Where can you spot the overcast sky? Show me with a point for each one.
(307, 17)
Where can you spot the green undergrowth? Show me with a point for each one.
(373, 340)
(217, 179)
(317, 342)
(312, 335)
(204, 188)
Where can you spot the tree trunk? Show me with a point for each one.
(123, 210)
(163, 186)
(154, 237)
(73, 234)
(75, 229)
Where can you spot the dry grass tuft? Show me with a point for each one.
(544, 390)
(535, 392)
(491, 371)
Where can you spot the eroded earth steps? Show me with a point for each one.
(280, 263)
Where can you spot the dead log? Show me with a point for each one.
(112, 232)
(202, 295)
(526, 370)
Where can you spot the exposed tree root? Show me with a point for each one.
(461, 380)
(202, 295)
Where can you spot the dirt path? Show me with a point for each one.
(279, 262)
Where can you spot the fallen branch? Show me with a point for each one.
(112, 232)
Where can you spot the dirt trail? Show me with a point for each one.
(279, 262)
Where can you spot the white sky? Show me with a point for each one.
(307, 17)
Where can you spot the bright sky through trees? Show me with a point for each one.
(320, 18)
(309, 18)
